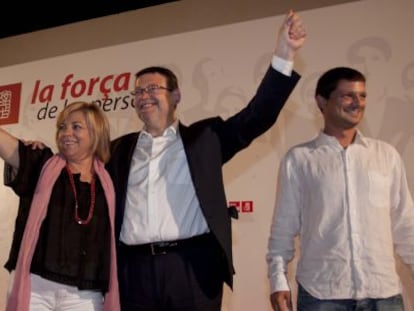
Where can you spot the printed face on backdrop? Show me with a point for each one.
(371, 54)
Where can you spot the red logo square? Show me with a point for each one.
(10, 103)
(247, 206)
(236, 204)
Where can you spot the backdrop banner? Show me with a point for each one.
(219, 69)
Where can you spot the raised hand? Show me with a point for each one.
(291, 36)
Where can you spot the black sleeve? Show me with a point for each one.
(24, 179)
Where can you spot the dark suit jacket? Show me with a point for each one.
(209, 144)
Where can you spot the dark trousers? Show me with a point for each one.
(187, 279)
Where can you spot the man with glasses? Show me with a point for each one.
(172, 220)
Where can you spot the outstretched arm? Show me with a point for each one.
(291, 36)
(9, 148)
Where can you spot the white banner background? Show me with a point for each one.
(219, 69)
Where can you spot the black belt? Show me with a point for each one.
(164, 247)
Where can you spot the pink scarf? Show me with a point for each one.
(19, 298)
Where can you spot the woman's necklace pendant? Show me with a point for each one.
(78, 220)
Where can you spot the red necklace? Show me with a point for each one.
(91, 207)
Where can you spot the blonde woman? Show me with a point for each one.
(63, 250)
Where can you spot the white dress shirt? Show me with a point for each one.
(350, 207)
(161, 203)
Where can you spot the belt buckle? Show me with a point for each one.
(157, 248)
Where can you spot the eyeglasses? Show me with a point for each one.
(150, 89)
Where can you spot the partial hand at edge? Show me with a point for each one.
(281, 301)
(34, 144)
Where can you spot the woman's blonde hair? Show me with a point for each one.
(97, 124)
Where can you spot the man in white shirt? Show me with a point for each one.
(172, 220)
(346, 197)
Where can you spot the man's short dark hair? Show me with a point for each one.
(172, 81)
(328, 82)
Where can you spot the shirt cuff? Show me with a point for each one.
(279, 283)
(282, 65)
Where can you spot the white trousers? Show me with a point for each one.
(47, 295)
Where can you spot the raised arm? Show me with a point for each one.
(9, 148)
(291, 37)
